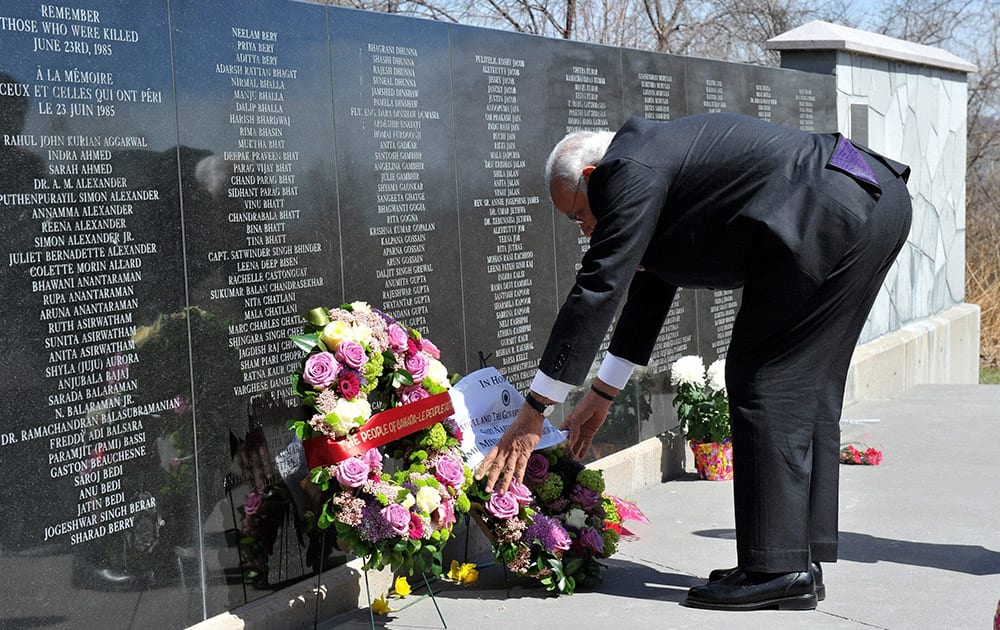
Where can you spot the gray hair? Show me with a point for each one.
(577, 150)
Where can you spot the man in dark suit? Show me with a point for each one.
(808, 225)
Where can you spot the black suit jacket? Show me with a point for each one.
(712, 200)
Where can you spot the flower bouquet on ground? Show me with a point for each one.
(558, 524)
(703, 413)
(370, 382)
(857, 445)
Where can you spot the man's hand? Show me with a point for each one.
(586, 418)
(509, 458)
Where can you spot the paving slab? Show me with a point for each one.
(920, 541)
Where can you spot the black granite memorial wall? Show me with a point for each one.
(179, 181)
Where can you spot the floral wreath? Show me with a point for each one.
(359, 361)
(557, 525)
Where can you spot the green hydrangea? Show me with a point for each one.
(610, 510)
(469, 478)
(462, 503)
(592, 479)
(550, 489)
(436, 437)
(611, 538)
(372, 371)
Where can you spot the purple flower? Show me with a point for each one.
(373, 458)
(587, 498)
(503, 505)
(520, 492)
(449, 472)
(352, 354)
(549, 533)
(372, 526)
(397, 338)
(398, 518)
(352, 472)
(413, 393)
(253, 502)
(592, 539)
(538, 467)
(321, 369)
(416, 364)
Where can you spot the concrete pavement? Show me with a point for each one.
(920, 541)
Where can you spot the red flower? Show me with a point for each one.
(416, 526)
(873, 456)
(349, 384)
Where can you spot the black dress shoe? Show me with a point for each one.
(814, 568)
(744, 590)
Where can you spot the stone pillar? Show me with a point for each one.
(909, 102)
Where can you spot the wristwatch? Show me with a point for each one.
(538, 405)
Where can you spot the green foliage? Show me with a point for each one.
(703, 414)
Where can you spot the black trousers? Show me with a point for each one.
(786, 369)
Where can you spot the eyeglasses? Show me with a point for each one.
(575, 216)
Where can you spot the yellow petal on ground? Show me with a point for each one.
(381, 606)
(469, 574)
(402, 587)
(453, 571)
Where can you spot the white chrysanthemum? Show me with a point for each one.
(576, 518)
(361, 307)
(717, 376)
(438, 373)
(408, 501)
(688, 370)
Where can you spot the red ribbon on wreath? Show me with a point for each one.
(381, 428)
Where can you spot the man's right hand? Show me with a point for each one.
(583, 422)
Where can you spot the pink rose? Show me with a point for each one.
(397, 338)
(427, 346)
(520, 492)
(373, 458)
(349, 384)
(416, 364)
(321, 369)
(449, 472)
(352, 472)
(446, 513)
(538, 467)
(352, 354)
(397, 517)
(592, 539)
(413, 393)
(253, 502)
(503, 505)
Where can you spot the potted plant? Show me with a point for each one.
(703, 412)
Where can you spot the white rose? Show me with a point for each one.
(717, 376)
(353, 413)
(428, 499)
(576, 518)
(360, 307)
(341, 423)
(689, 370)
(438, 373)
(361, 334)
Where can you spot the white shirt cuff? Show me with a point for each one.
(550, 387)
(615, 371)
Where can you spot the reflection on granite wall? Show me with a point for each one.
(181, 180)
